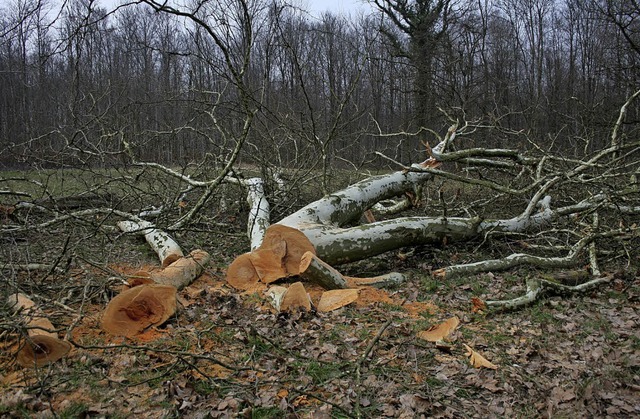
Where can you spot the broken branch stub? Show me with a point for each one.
(42, 345)
(133, 311)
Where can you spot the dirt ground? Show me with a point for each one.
(229, 354)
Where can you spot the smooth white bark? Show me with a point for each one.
(165, 247)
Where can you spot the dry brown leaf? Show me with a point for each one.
(335, 299)
(477, 360)
(478, 305)
(440, 331)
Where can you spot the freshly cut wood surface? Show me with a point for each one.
(335, 299)
(42, 345)
(296, 298)
(136, 309)
(241, 274)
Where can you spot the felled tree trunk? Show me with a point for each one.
(133, 311)
(151, 304)
(42, 345)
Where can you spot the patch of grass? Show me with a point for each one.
(321, 372)
(205, 387)
(391, 307)
(267, 413)
(75, 410)
(428, 284)
(18, 411)
(635, 342)
(539, 313)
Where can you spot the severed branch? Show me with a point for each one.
(538, 287)
(517, 259)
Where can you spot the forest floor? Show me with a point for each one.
(229, 354)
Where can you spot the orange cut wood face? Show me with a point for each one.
(296, 245)
(335, 299)
(268, 265)
(241, 274)
(277, 257)
(40, 350)
(136, 309)
(296, 298)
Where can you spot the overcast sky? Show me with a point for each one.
(347, 6)
(316, 7)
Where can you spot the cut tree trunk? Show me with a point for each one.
(148, 305)
(135, 310)
(277, 257)
(42, 345)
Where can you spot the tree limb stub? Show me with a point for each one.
(42, 345)
(166, 248)
(313, 269)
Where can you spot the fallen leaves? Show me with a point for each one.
(477, 360)
(477, 305)
(442, 332)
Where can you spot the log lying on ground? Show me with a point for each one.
(313, 269)
(148, 305)
(166, 248)
(538, 287)
(42, 346)
(133, 311)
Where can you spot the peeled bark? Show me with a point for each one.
(42, 345)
